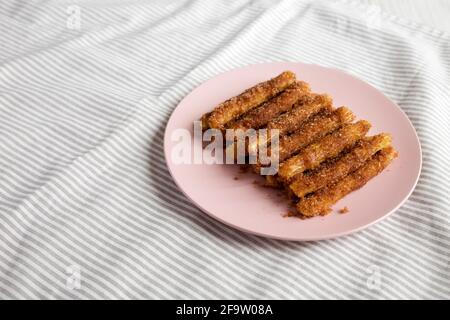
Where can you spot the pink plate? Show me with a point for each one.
(247, 206)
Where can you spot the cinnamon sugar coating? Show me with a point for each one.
(260, 116)
(320, 202)
(249, 99)
(334, 170)
(316, 128)
(327, 147)
(293, 120)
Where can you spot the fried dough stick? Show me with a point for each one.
(327, 147)
(260, 116)
(320, 202)
(332, 171)
(319, 126)
(292, 120)
(249, 99)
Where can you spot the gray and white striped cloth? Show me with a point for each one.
(87, 207)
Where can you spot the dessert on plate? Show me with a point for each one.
(323, 152)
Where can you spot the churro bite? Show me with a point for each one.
(317, 153)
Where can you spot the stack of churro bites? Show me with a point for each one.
(323, 153)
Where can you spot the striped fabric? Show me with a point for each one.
(88, 209)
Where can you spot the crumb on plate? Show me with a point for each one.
(343, 210)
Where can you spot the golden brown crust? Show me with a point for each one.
(249, 99)
(327, 147)
(314, 129)
(292, 120)
(260, 116)
(320, 202)
(340, 167)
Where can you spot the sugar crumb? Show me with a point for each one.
(343, 210)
